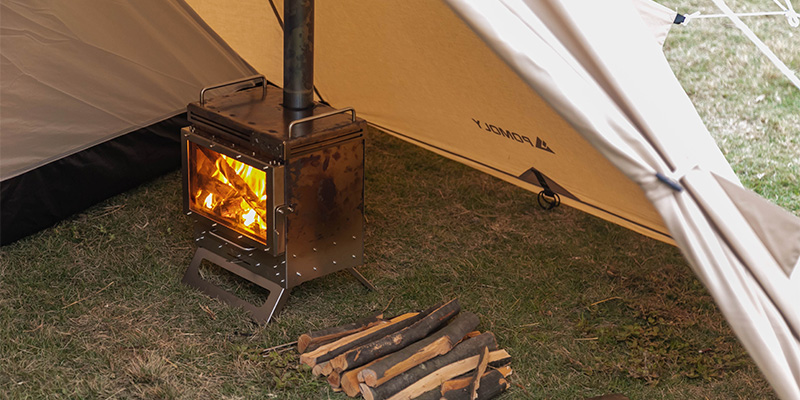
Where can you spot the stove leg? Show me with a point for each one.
(364, 281)
(260, 313)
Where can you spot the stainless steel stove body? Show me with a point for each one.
(277, 196)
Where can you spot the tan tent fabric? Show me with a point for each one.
(416, 70)
(77, 73)
(778, 229)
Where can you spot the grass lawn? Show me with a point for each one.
(94, 307)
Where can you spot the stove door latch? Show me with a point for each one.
(279, 216)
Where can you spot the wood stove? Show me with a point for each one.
(276, 194)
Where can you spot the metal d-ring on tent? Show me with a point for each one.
(527, 91)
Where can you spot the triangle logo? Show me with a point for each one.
(541, 144)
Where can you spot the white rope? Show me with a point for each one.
(792, 17)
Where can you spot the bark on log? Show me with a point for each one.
(331, 350)
(492, 384)
(441, 375)
(463, 350)
(310, 341)
(434, 345)
(434, 318)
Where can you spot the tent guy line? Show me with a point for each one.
(792, 17)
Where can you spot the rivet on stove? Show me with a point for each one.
(294, 255)
(283, 280)
(334, 263)
(214, 225)
(315, 268)
(239, 237)
(238, 256)
(277, 274)
(314, 248)
(354, 256)
(238, 156)
(188, 213)
(298, 274)
(354, 238)
(334, 243)
(219, 247)
(275, 266)
(283, 262)
(258, 264)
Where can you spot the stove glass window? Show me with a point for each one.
(227, 191)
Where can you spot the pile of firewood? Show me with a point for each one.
(412, 356)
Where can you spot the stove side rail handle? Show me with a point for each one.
(235, 82)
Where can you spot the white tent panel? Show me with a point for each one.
(740, 270)
(78, 73)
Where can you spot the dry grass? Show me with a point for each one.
(750, 108)
(94, 308)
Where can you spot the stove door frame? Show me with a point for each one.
(275, 238)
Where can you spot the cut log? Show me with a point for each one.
(434, 345)
(505, 370)
(310, 341)
(334, 380)
(434, 319)
(483, 361)
(463, 350)
(492, 384)
(441, 375)
(383, 328)
(461, 383)
(348, 380)
(319, 369)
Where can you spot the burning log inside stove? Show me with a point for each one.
(454, 362)
(229, 191)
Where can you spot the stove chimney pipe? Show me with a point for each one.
(298, 54)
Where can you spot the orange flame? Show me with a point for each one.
(228, 191)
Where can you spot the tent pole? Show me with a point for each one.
(298, 54)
